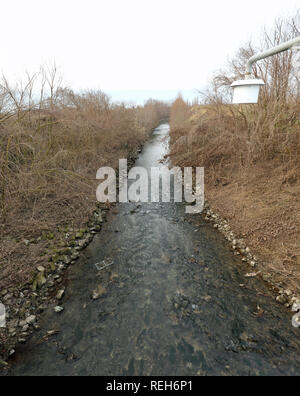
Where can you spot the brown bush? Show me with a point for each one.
(251, 153)
(50, 150)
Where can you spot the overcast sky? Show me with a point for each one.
(118, 45)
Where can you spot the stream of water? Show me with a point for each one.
(174, 301)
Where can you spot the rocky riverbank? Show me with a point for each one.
(258, 269)
(25, 303)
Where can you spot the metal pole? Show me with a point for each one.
(270, 52)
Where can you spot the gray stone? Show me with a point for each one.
(31, 319)
(25, 328)
(296, 320)
(282, 299)
(58, 309)
(22, 323)
(60, 294)
(98, 292)
(7, 297)
(266, 277)
(296, 307)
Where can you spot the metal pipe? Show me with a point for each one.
(270, 52)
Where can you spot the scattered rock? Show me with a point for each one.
(266, 277)
(3, 363)
(60, 294)
(51, 333)
(67, 260)
(98, 292)
(296, 307)
(296, 321)
(240, 249)
(74, 256)
(22, 323)
(282, 299)
(31, 319)
(39, 281)
(7, 297)
(34, 297)
(252, 274)
(58, 309)
(79, 235)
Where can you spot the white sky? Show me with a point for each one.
(131, 44)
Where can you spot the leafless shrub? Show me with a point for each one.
(251, 153)
(52, 141)
(242, 135)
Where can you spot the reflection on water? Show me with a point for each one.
(156, 149)
(175, 301)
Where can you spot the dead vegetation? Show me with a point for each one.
(251, 153)
(52, 141)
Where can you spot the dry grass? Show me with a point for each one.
(251, 155)
(50, 150)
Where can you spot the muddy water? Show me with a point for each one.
(175, 301)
